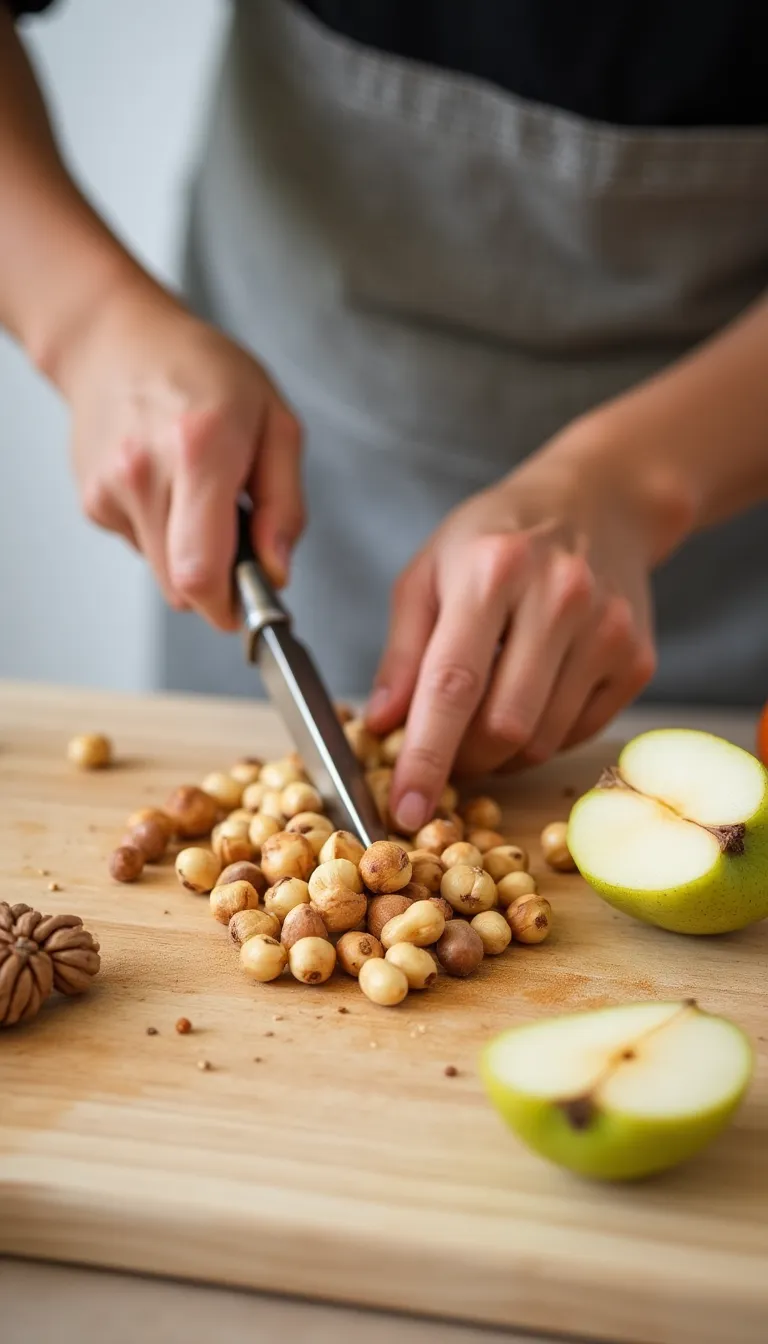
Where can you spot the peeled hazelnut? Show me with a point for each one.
(230, 843)
(379, 783)
(529, 919)
(437, 835)
(311, 960)
(365, 746)
(427, 868)
(316, 839)
(554, 847)
(299, 797)
(305, 822)
(481, 813)
(90, 751)
(261, 829)
(402, 840)
(354, 949)
(339, 907)
(302, 922)
(253, 795)
(244, 871)
(279, 774)
(240, 814)
(449, 799)
(494, 931)
(460, 950)
(505, 859)
(342, 845)
(392, 746)
(150, 837)
(263, 958)
(192, 811)
(417, 965)
(485, 840)
(421, 924)
(468, 890)
(462, 852)
(383, 908)
(335, 872)
(442, 905)
(126, 863)
(385, 867)
(383, 983)
(514, 885)
(285, 895)
(160, 819)
(246, 771)
(272, 806)
(224, 790)
(248, 923)
(198, 870)
(287, 855)
(231, 899)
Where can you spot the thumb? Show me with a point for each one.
(276, 491)
(414, 612)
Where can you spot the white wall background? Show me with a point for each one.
(126, 81)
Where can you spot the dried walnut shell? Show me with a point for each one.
(39, 953)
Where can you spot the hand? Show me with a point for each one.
(171, 421)
(522, 627)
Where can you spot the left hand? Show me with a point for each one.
(522, 627)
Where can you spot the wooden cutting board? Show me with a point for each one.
(326, 1153)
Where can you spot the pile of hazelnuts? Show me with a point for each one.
(299, 897)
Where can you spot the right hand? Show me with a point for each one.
(171, 422)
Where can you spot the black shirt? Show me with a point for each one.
(627, 62)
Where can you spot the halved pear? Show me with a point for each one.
(677, 834)
(619, 1093)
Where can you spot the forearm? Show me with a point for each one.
(57, 258)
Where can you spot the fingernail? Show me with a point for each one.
(411, 812)
(377, 703)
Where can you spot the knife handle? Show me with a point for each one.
(260, 603)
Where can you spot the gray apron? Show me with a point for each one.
(440, 276)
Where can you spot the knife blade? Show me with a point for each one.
(296, 689)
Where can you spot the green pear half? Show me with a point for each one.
(677, 834)
(619, 1093)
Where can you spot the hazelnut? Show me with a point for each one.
(427, 868)
(285, 895)
(365, 746)
(192, 811)
(443, 906)
(379, 783)
(263, 958)
(354, 949)
(339, 907)
(247, 770)
(90, 751)
(244, 872)
(311, 960)
(240, 814)
(417, 965)
(224, 790)
(253, 795)
(230, 843)
(383, 908)
(344, 712)
(302, 922)
(529, 919)
(198, 870)
(421, 924)
(514, 885)
(468, 890)
(415, 892)
(505, 859)
(449, 798)
(261, 829)
(150, 837)
(286, 854)
(460, 950)
(305, 822)
(126, 863)
(402, 840)
(437, 835)
(299, 797)
(293, 758)
(316, 839)
(342, 845)
(271, 806)
(485, 840)
(383, 983)
(481, 813)
(279, 774)
(392, 745)
(161, 819)
(385, 867)
(494, 931)
(554, 847)
(183, 1026)
(231, 899)
(248, 923)
(462, 852)
(332, 873)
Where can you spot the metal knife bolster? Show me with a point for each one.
(261, 606)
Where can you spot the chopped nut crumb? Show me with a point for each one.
(152, 1031)
(450, 1071)
(257, 1059)
(342, 1009)
(204, 1065)
(374, 1045)
(43, 872)
(277, 1017)
(269, 1033)
(183, 1026)
(54, 886)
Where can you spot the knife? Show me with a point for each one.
(296, 690)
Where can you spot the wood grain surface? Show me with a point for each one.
(327, 1154)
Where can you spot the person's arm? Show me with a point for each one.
(170, 419)
(525, 624)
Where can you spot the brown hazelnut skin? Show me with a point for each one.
(161, 819)
(247, 924)
(192, 811)
(415, 892)
(445, 908)
(90, 751)
(554, 847)
(244, 872)
(383, 908)
(437, 835)
(354, 949)
(311, 960)
(287, 854)
(198, 870)
(339, 908)
(529, 919)
(150, 837)
(385, 868)
(126, 863)
(482, 813)
(301, 922)
(230, 900)
(460, 950)
(427, 868)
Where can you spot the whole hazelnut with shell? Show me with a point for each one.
(150, 837)
(126, 863)
(460, 949)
